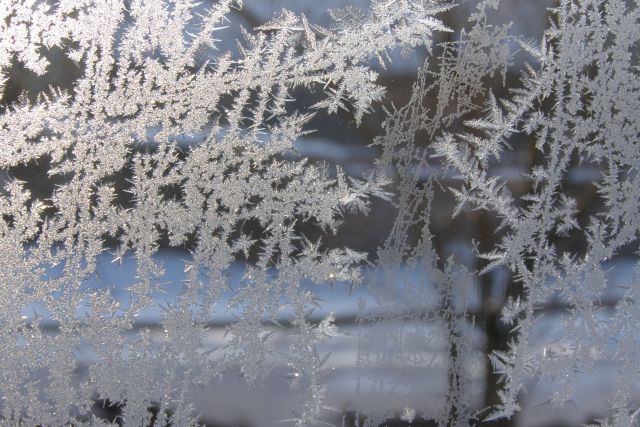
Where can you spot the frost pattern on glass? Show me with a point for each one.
(578, 98)
(149, 75)
(165, 137)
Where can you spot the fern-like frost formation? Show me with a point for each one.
(166, 135)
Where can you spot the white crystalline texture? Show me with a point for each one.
(167, 133)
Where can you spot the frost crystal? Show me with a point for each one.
(164, 135)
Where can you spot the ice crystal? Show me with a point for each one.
(165, 136)
(148, 74)
(577, 101)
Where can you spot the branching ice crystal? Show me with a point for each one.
(148, 75)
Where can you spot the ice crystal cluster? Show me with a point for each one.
(119, 179)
